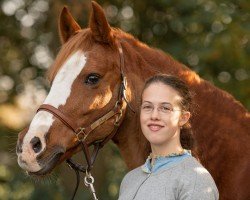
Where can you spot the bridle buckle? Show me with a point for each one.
(81, 134)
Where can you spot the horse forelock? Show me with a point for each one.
(82, 41)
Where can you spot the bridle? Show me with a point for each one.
(82, 133)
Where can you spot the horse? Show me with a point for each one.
(101, 70)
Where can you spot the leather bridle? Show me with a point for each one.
(82, 133)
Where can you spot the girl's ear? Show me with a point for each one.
(184, 118)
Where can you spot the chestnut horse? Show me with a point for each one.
(85, 84)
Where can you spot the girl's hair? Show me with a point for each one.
(186, 133)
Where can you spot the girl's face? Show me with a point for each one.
(161, 116)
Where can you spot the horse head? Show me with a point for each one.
(86, 81)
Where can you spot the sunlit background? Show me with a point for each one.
(211, 37)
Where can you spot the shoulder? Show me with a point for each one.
(194, 169)
(132, 175)
(196, 182)
(131, 178)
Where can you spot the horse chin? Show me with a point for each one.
(48, 165)
(70, 152)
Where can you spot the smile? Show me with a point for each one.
(155, 127)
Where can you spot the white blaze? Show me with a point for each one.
(63, 81)
(58, 95)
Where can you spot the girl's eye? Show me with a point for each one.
(165, 109)
(92, 79)
(147, 108)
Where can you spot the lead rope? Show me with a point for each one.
(72, 166)
(88, 179)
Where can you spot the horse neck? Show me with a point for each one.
(141, 62)
(152, 61)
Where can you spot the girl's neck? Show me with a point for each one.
(166, 150)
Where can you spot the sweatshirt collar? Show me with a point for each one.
(161, 162)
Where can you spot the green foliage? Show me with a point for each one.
(211, 37)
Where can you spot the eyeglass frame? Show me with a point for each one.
(159, 108)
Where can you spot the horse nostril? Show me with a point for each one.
(36, 144)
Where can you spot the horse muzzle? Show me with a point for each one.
(43, 163)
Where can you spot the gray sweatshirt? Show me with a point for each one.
(187, 179)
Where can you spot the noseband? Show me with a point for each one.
(82, 133)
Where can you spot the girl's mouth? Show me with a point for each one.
(155, 127)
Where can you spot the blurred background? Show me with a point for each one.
(212, 37)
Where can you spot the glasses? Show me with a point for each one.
(164, 109)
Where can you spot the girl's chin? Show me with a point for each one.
(158, 141)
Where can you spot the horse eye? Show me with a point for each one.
(92, 79)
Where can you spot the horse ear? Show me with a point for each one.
(99, 25)
(67, 25)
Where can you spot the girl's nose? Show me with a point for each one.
(155, 114)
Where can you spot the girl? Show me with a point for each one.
(170, 172)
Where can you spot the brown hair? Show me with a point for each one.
(186, 133)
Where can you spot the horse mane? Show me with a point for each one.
(214, 103)
(161, 62)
